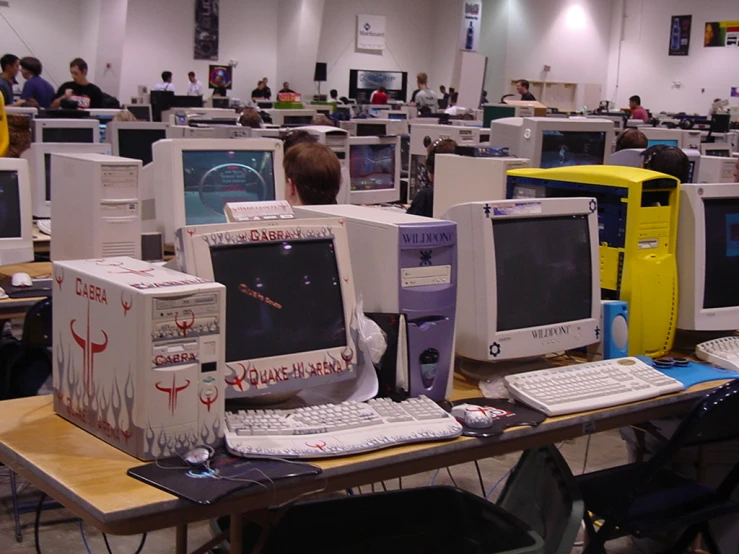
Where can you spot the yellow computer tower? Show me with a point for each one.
(637, 218)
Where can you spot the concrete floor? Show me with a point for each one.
(606, 450)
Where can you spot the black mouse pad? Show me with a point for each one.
(508, 414)
(203, 487)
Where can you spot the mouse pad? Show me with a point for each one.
(40, 288)
(509, 414)
(693, 373)
(202, 487)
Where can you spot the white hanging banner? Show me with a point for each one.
(469, 32)
(371, 32)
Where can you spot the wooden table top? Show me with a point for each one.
(89, 477)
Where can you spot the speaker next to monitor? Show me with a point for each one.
(320, 72)
(614, 325)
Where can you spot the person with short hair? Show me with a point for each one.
(260, 93)
(296, 136)
(379, 97)
(522, 87)
(322, 119)
(312, 174)
(425, 96)
(195, 88)
(286, 88)
(268, 91)
(79, 89)
(423, 203)
(334, 97)
(444, 100)
(668, 160)
(219, 89)
(35, 88)
(637, 111)
(10, 64)
(250, 118)
(631, 138)
(166, 83)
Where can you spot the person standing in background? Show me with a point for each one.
(196, 88)
(79, 89)
(286, 88)
(35, 88)
(522, 87)
(10, 65)
(425, 97)
(259, 93)
(637, 111)
(219, 89)
(166, 83)
(268, 91)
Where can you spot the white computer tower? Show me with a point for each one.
(138, 355)
(96, 211)
(461, 179)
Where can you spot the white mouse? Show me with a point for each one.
(473, 416)
(2, 293)
(22, 280)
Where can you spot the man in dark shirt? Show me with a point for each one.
(423, 203)
(35, 88)
(269, 90)
(10, 66)
(286, 88)
(260, 93)
(79, 89)
(522, 87)
(219, 89)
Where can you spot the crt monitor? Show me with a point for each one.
(195, 178)
(133, 139)
(530, 272)
(708, 257)
(716, 149)
(371, 129)
(290, 299)
(16, 232)
(661, 135)
(296, 120)
(142, 112)
(554, 142)
(374, 169)
(66, 130)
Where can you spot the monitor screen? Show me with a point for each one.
(371, 129)
(397, 116)
(47, 175)
(691, 174)
(66, 134)
(543, 270)
(405, 152)
(667, 142)
(719, 152)
(297, 119)
(281, 298)
(564, 148)
(214, 178)
(10, 205)
(141, 112)
(372, 167)
(136, 143)
(722, 253)
(103, 130)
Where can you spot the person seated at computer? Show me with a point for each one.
(667, 159)
(195, 88)
(79, 89)
(268, 91)
(166, 83)
(219, 89)
(423, 203)
(334, 97)
(286, 88)
(444, 100)
(322, 119)
(379, 96)
(637, 111)
(425, 96)
(522, 87)
(260, 93)
(312, 174)
(631, 138)
(124, 115)
(484, 98)
(250, 118)
(35, 88)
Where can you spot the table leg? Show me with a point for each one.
(181, 539)
(236, 538)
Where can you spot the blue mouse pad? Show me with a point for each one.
(693, 373)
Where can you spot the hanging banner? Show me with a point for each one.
(469, 32)
(206, 29)
(721, 33)
(371, 32)
(680, 35)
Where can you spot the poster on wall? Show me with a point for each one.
(680, 35)
(206, 29)
(225, 72)
(721, 33)
(371, 32)
(734, 92)
(469, 32)
(363, 82)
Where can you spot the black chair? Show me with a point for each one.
(647, 499)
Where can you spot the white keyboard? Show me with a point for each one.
(44, 225)
(590, 386)
(723, 352)
(337, 429)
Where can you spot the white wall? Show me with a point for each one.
(444, 42)
(159, 36)
(494, 45)
(299, 29)
(543, 32)
(409, 39)
(50, 30)
(647, 70)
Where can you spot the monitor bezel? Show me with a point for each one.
(85, 123)
(140, 106)
(193, 244)
(362, 197)
(114, 127)
(691, 260)
(705, 147)
(477, 334)
(19, 249)
(170, 180)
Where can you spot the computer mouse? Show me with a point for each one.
(21, 280)
(198, 456)
(473, 416)
(2, 293)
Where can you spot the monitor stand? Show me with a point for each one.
(490, 374)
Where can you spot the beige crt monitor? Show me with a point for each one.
(462, 179)
(66, 130)
(716, 169)
(16, 223)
